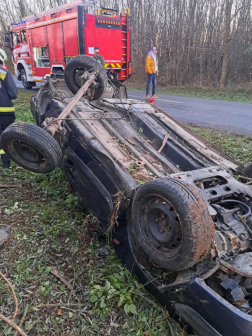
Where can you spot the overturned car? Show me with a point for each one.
(180, 219)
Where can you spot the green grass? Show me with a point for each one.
(52, 228)
(234, 93)
(239, 147)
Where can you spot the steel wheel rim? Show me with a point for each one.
(160, 225)
(27, 154)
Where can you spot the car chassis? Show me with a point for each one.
(115, 152)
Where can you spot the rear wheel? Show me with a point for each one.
(26, 84)
(31, 147)
(79, 69)
(171, 223)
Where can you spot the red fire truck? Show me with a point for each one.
(44, 43)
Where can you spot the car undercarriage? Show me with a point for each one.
(177, 207)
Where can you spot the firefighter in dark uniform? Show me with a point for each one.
(98, 57)
(8, 91)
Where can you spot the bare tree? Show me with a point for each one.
(199, 42)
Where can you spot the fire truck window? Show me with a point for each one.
(41, 57)
(16, 39)
(23, 36)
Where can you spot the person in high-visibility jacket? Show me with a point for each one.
(8, 91)
(151, 67)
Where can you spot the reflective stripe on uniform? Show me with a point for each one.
(2, 152)
(2, 74)
(7, 109)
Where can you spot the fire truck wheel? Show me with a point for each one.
(75, 69)
(171, 223)
(26, 84)
(31, 147)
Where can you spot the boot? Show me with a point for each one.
(155, 97)
(147, 96)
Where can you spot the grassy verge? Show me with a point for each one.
(239, 147)
(52, 229)
(237, 93)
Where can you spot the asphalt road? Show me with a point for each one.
(221, 115)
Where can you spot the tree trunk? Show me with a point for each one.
(229, 4)
(194, 2)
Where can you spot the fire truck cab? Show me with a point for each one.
(43, 44)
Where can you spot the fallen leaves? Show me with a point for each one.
(147, 333)
(59, 311)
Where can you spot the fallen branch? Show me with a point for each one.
(61, 277)
(15, 298)
(10, 186)
(13, 325)
(164, 142)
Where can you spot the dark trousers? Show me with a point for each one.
(5, 120)
(151, 79)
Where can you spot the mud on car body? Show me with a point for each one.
(181, 220)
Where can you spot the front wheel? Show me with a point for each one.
(31, 147)
(171, 223)
(26, 84)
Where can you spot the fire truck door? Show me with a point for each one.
(39, 54)
(70, 38)
(55, 42)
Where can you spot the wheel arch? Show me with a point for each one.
(22, 65)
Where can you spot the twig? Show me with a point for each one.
(146, 299)
(10, 186)
(23, 318)
(72, 288)
(164, 142)
(61, 277)
(15, 298)
(13, 325)
(51, 305)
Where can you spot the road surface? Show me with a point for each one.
(215, 114)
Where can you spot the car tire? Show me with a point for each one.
(27, 85)
(171, 223)
(248, 171)
(82, 63)
(31, 147)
